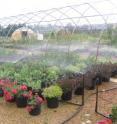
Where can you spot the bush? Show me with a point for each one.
(72, 69)
(52, 91)
(114, 114)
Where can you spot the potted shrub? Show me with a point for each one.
(22, 96)
(49, 76)
(10, 91)
(51, 94)
(36, 88)
(67, 91)
(34, 104)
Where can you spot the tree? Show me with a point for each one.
(7, 31)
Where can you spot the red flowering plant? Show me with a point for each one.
(22, 91)
(10, 91)
(34, 101)
(3, 82)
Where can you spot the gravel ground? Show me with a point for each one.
(10, 114)
(106, 101)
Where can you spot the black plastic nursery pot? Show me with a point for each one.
(36, 110)
(67, 95)
(21, 102)
(79, 91)
(52, 102)
(1, 92)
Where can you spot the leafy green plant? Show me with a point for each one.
(54, 68)
(72, 69)
(81, 66)
(51, 75)
(52, 91)
(35, 84)
(90, 60)
(114, 113)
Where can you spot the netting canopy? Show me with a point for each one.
(63, 36)
(74, 47)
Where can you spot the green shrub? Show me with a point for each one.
(35, 84)
(114, 113)
(52, 91)
(72, 69)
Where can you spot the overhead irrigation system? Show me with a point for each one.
(62, 22)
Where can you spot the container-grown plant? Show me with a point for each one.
(35, 87)
(10, 91)
(21, 96)
(34, 104)
(51, 94)
(67, 91)
(49, 76)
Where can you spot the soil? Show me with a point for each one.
(10, 114)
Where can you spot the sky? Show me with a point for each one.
(15, 7)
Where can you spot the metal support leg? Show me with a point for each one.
(83, 91)
(96, 105)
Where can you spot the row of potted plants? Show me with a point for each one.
(36, 74)
(25, 96)
(13, 92)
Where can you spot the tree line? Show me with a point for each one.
(8, 30)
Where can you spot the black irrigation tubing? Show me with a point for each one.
(110, 102)
(108, 89)
(81, 107)
(78, 110)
